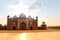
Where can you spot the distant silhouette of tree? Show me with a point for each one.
(4, 27)
(1, 26)
(54, 27)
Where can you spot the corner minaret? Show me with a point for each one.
(7, 18)
(36, 18)
(7, 21)
(36, 22)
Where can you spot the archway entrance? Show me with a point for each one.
(14, 28)
(22, 26)
(31, 28)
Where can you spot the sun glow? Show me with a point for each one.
(23, 36)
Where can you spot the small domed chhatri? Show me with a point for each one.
(15, 17)
(22, 15)
(29, 17)
(43, 26)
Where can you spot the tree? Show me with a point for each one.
(1, 26)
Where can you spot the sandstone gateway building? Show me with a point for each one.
(22, 22)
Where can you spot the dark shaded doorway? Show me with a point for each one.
(31, 28)
(22, 26)
(14, 28)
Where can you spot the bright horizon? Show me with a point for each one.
(46, 10)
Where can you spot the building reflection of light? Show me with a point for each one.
(23, 36)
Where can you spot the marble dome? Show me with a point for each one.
(22, 15)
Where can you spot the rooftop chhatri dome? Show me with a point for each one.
(29, 17)
(14, 17)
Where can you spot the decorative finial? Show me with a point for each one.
(8, 16)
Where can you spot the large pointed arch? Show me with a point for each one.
(23, 26)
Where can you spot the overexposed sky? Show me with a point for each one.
(46, 10)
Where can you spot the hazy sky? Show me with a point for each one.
(46, 10)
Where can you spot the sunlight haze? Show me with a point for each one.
(46, 10)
